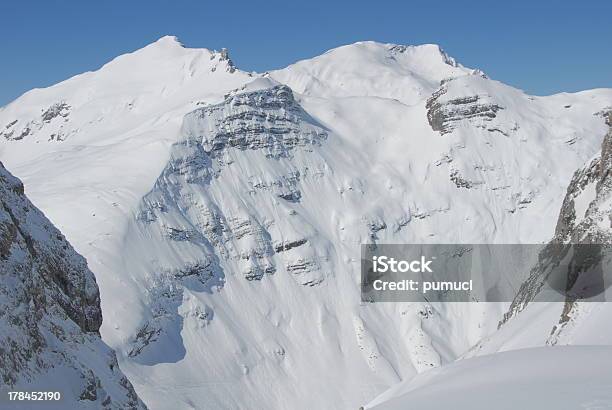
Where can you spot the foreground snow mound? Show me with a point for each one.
(560, 378)
(50, 313)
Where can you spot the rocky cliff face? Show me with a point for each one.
(50, 313)
(585, 218)
(215, 236)
(267, 119)
(444, 113)
(586, 214)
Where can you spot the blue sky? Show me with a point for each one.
(542, 47)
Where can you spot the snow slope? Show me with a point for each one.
(222, 212)
(564, 378)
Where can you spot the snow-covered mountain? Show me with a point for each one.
(222, 211)
(50, 314)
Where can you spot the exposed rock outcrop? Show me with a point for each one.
(443, 114)
(268, 119)
(52, 117)
(50, 313)
(585, 219)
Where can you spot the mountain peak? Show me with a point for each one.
(168, 41)
(430, 49)
(368, 68)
